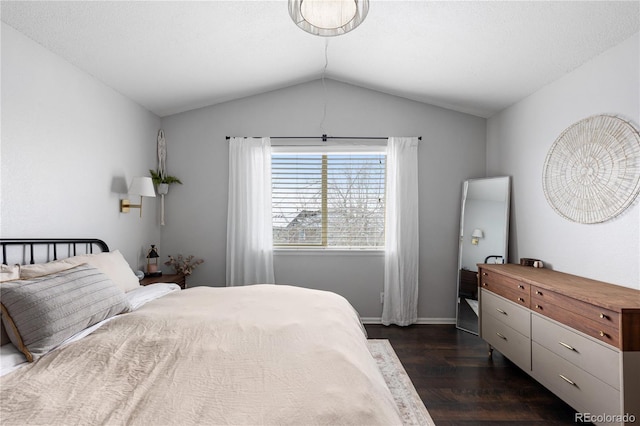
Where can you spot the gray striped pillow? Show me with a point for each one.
(41, 313)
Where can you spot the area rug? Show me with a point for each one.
(411, 407)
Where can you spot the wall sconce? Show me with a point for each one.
(475, 237)
(142, 186)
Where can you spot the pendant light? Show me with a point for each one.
(328, 18)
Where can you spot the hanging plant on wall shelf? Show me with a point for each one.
(163, 182)
(159, 176)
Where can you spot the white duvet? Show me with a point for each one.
(260, 354)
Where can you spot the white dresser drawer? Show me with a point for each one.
(576, 387)
(513, 315)
(509, 342)
(582, 329)
(595, 358)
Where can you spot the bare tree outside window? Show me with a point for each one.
(334, 200)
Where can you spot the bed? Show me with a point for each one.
(91, 346)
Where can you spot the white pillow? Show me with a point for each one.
(10, 358)
(36, 270)
(112, 264)
(9, 273)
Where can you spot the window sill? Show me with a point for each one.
(305, 251)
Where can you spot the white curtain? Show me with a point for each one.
(401, 247)
(249, 229)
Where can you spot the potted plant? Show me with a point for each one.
(163, 182)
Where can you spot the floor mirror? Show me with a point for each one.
(484, 235)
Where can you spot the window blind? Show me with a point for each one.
(328, 199)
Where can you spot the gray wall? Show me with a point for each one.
(452, 150)
(518, 140)
(68, 144)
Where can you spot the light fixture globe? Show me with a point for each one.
(328, 18)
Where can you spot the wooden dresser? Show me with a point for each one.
(578, 337)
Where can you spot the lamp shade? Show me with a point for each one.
(328, 17)
(142, 186)
(477, 233)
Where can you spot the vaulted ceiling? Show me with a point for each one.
(476, 57)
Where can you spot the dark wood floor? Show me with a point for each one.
(460, 385)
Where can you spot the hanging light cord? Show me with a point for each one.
(324, 86)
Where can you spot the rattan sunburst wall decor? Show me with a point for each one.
(592, 171)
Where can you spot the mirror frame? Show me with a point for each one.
(461, 243)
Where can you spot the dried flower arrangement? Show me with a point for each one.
(183, 265)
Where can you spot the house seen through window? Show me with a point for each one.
(328, 199)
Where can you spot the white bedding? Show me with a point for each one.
(261, 354)
(11, 358)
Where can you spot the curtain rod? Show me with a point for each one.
(325, 137)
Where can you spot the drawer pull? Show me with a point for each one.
(484, 274)
(520, 286)
(604, 316)
(571, 382)
(501, 336)
(485, 284)
(538, 292)
(538, 307)
(501, 311)
(571, 348)
(603, 334)
(520, 299)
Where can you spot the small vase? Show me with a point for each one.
(163, 188)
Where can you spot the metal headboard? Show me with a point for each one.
(50, 246)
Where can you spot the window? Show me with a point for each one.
(328, 199)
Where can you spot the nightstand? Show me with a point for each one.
(179, 279)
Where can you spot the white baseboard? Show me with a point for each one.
(378, 320)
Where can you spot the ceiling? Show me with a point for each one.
(476, 57)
